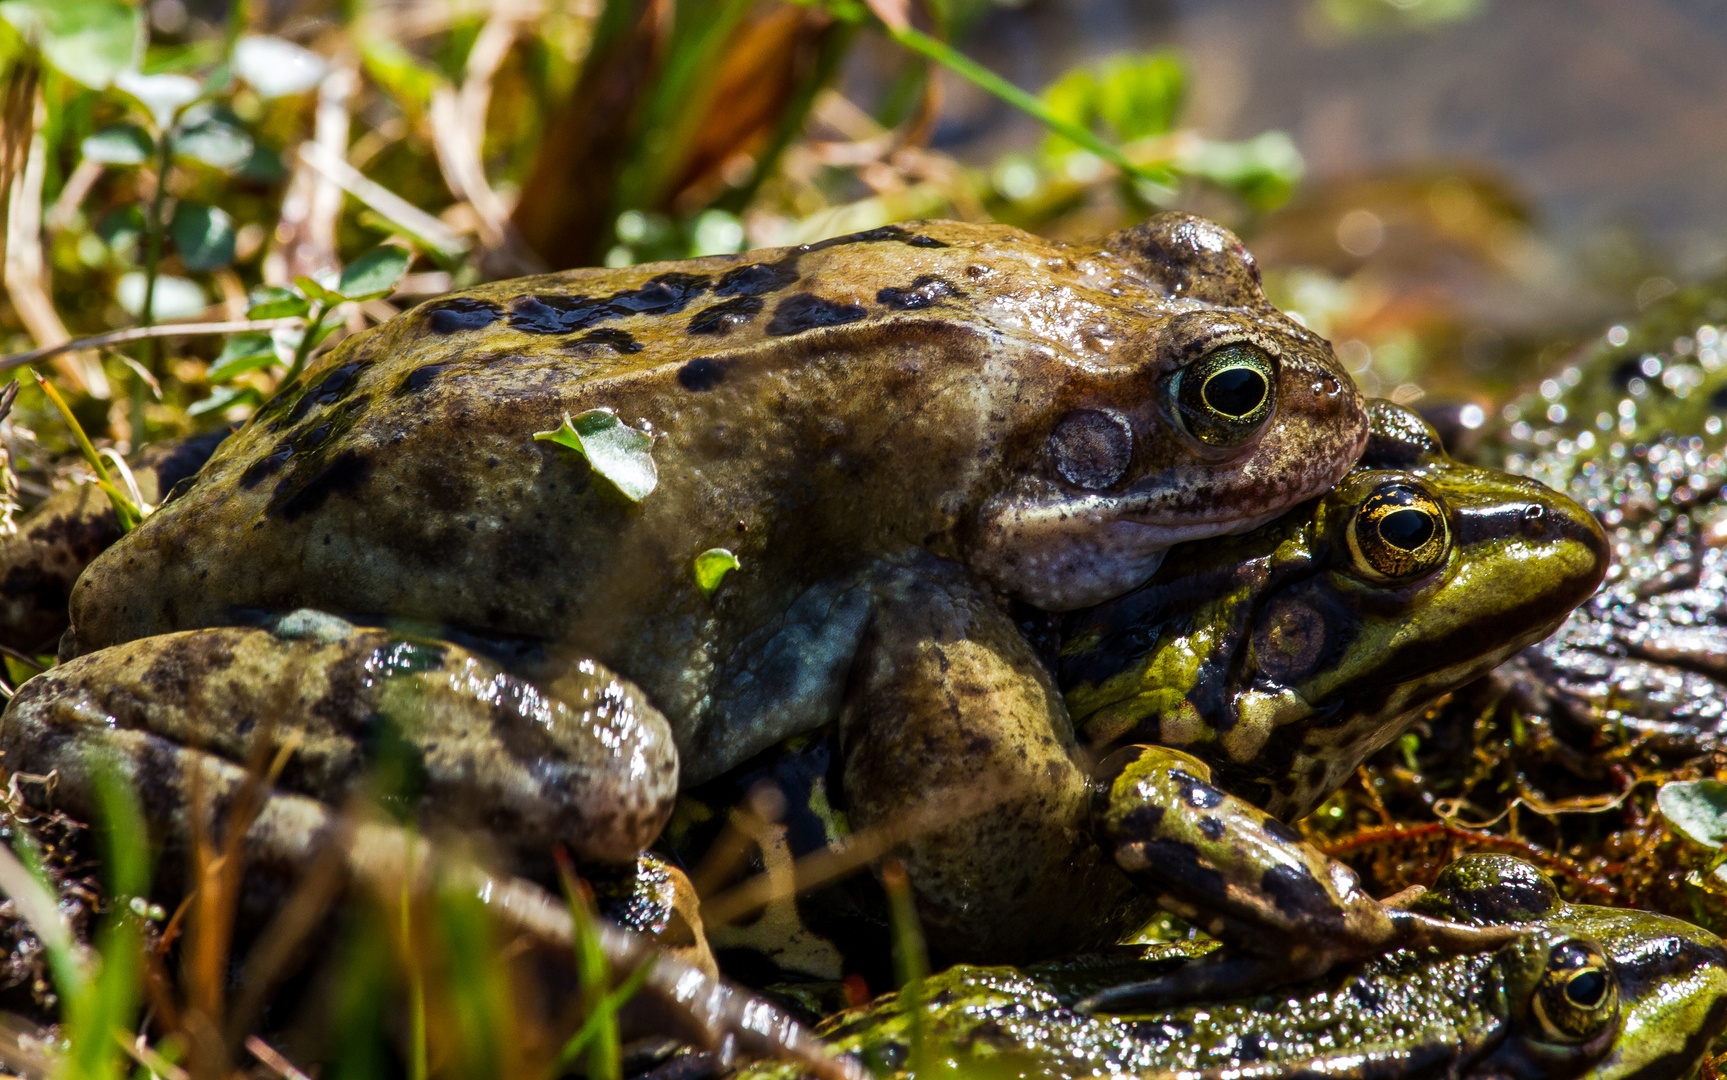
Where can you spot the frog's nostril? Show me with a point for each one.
(1534, 520)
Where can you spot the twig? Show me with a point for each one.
(136, 333)
(273, 1060)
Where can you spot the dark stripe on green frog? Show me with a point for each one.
(1199, 794)
(722, 317)
(926, 290)
(1298, 895)
(807, 311)
(463, 313)
(550, 313)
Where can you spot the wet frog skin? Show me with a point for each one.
(1039, 419)
(1176, 672)
(1583, 992)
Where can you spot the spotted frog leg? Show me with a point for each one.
(587, 764)
(1285, 911)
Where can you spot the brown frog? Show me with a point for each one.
(897, 435)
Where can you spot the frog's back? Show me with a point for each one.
(400, 476)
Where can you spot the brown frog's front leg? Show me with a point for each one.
(1285, 911)
(952, 730)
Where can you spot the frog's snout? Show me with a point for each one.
(1563, 548)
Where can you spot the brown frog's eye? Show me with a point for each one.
(1226, 395)
(1576, 996)
(1400, 531)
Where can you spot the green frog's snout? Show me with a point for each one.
(1563, 549)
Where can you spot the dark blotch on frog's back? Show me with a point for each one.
(326, 391)
(619, 341)
(347, 471)
(462, 313)
(722, 317)
(420, 378)
(925, 291)
(702, 373)
(550, 313)
(807, 311)
(758, 279)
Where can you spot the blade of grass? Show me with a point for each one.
(124, 509)
(609, 1006)
(1030, 104)
(911, 962)
(595, 975)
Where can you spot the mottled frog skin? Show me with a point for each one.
(1583, 992)
(1032, 413)
(1282, 658)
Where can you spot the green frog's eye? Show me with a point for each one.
(1576, 996)
(1400, 531)
(1227, 394)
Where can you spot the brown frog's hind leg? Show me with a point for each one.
(1284, 910)
(954, 738)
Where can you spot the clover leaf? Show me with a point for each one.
(711, 568)
(1696, 809)
(616, 451)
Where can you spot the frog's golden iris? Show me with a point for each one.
(1399, 532)
(1576, 996)
(1226, 395)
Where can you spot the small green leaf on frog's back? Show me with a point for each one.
(1697, 810)
(618, 452)
(712, 566)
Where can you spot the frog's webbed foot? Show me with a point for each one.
(1284, 910)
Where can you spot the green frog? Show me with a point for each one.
(1581, 992)
(1230, 694)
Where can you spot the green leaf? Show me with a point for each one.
(1141, 96)
(401, 75)
(1263, 170)
(375, 273)
(88, 41)
(122, 144)
(276, 302)
(121, 227)
(240, 354)
(223, 397)
(277, 68)
(1697, 810)
(204, 236)
(317, 292)
(617, 452)
(215, 138)
(711, 568)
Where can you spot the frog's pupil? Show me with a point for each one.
(1586, 989)
(1235, 391)
(1406, 529)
